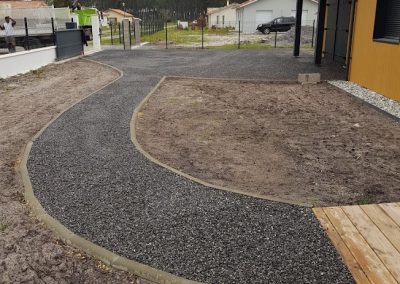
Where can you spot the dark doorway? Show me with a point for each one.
(337, 29)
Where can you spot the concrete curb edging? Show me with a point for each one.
(72, 239)
(194, 179)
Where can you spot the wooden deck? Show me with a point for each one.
(368, 239)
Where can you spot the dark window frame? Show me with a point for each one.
(387, 22)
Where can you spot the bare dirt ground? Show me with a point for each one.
(30, 253)
(312, 144)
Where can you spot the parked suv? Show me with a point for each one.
(281, 24)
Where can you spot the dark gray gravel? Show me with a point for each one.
(87, 174)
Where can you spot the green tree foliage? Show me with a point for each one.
(61, 3)
(183, 9)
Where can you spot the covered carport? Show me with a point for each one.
(334, 26)
(334, 31)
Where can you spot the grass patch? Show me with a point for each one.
(38, 72)
(3, 227)
(366, 200)
(186, 36)
(107, 41)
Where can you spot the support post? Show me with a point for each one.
(276, 35)
(350, 39)
(239, 37)
(53, 31)
(137, 31)
(123, 34)
(111, 30)
(126, 33)
(119, 33)
(26, 33)
(96, 33)
(313, 32)
(166, 34)
(130, 35)
(297, 38)
(320, 32)
(202, 34)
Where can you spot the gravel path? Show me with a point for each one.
(87, 174)
(386, 104)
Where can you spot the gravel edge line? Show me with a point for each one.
(373, 99)
(72, 239)
(194, 179)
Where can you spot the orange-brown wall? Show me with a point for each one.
(374, 65)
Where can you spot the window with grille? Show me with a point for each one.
(387, 21)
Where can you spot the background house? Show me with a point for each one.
(254, 12)
(117, 15)
(21, 4)
(222, 17)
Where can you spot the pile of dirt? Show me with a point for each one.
(30, 253)
(312, 144)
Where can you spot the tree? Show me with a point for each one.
(61, 3)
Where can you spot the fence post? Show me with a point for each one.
(202, 35)
(54, 31)
(313, 31)
(26, 33)
(111, 30)
(166, 34)
(130, 34)
(276, 35)
(119, 33)
(239, 37)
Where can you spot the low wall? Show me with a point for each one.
(25, 61)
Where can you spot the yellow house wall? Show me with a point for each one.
(374, 65)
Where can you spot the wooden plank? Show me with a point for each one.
(393, 210)
(375, 238)
(370, 263)
(355, 269)
(386, 224)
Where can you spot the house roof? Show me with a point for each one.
(246, 3)
(249, 2)
(212, 9)
(216, 10)
(18, 4)
(120, 12)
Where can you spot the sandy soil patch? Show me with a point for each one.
(29, 253)
(312, 144)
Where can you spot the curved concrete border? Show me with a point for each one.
(197, 180)
(70, 238)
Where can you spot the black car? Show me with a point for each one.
(281, 24)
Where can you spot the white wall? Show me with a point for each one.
(25, 61)
(230, 18)
(279, 8)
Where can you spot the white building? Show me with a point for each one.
(222, 17)
(254, 12)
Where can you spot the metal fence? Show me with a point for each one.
(224, 35)
(34, 28)
(112, 34)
